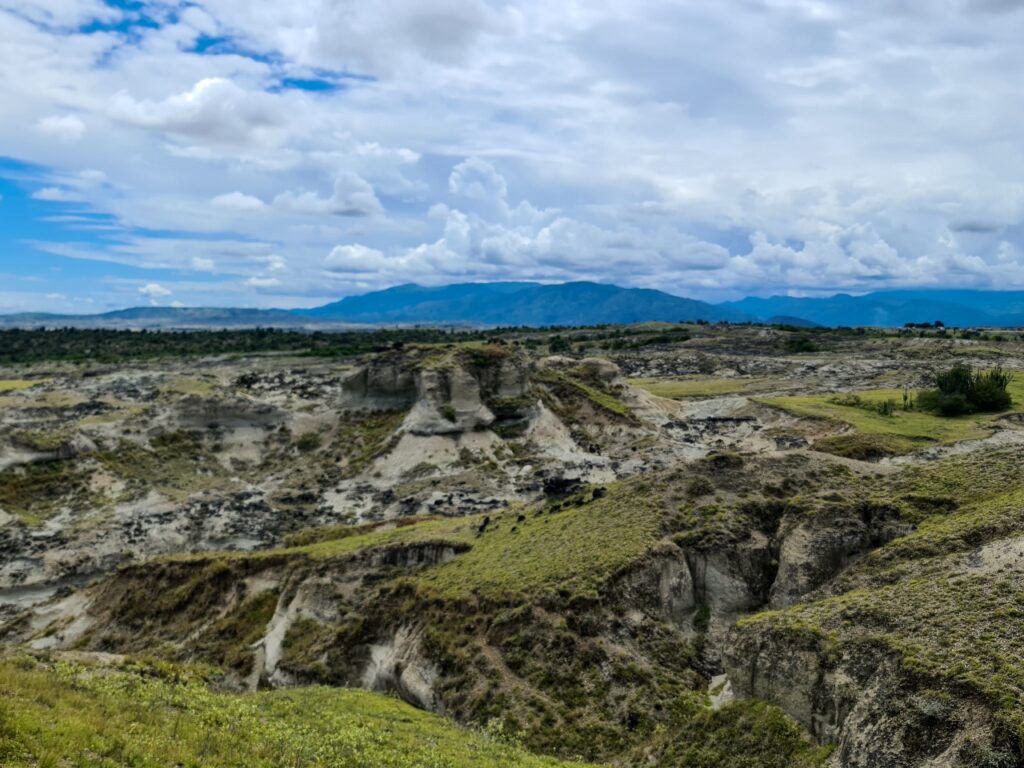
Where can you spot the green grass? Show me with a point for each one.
(946, 624)
(603, 400)
(570, 548)
(161, 716)
(13, 385)
(910, 429)
(177, 464)
(183, 385)
(700, 386)
(949, 612)
(571, 551)
(35, 492)
(744, 734)
(45, 400)
(970, 526)
(364, 437)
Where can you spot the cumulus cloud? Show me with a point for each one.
(63, 127)
(380, 38)
(354, 260)
(215, 110)
(154, 292)
(477, 179)
(352, 196)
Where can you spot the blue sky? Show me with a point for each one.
(258, 153)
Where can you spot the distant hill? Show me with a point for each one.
(158, 317)
(895, 308)
(796, 322)
(579, 303)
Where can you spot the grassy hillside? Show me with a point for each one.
(897, 433)
(946, 598)
(702, 386)
(156, 716)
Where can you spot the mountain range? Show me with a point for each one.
(576, 303)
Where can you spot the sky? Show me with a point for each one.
(262, 153)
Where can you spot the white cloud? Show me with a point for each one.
(62, 13)
(237, 201)
(56, 195)
(154, 292)
(63, 127)
(214, 110)
(354, 259)
(263, 282)
(477, 179)
(202, 264)
(92, 176)
(352, 196)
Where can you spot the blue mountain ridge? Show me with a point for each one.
(574, 303)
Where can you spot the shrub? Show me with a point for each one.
(886, 407)
(699, 486)
(557, 345)
(960, 390)
(935, 401)
(990, 390)
(310, 441)
(800, 344)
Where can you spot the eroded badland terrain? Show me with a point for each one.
(647, 546)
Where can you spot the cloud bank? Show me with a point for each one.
(286, 154)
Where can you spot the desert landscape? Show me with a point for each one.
(670, 544)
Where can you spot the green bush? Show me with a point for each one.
(960, 390)
(990, 390)
(310, 441)
(935, 401)
(798, 344)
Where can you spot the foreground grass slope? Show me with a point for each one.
(159, 716)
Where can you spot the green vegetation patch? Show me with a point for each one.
(869, 447)
(945, 623)
(363, 437)
(160, 716)
(566, 385)
(96, 345)
(701, 386)
(14, 385)
(964, 479)
(37, 440)
(916, 428)
(743, 734)
(183, 385)
(176, 463)
(947, 596)
(961, 389)
(570, 550)
(35, 492)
